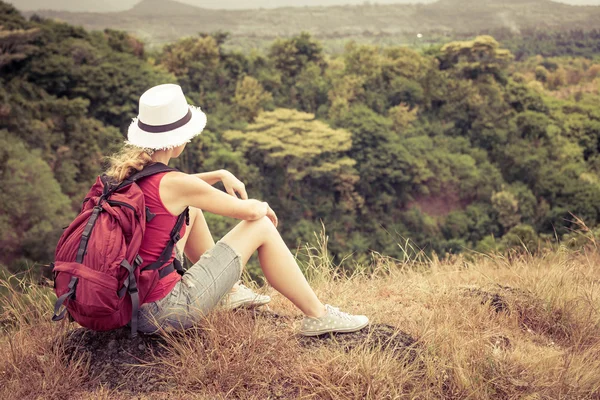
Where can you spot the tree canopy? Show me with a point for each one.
(460, 146)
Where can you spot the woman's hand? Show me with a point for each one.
(271, 215)
(260, 209)
(233, 185)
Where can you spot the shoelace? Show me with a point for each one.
(336, 311)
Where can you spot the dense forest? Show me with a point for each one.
(456, 146)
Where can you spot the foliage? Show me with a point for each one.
(14, 45)
(475, 58)
(301, 158)
(460, 146)
(34, 208)
(530, 42)
(251, 98)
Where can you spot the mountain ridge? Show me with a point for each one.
(161, 21)
(170, 7)
(123, 5)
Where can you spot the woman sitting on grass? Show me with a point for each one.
(164, 125)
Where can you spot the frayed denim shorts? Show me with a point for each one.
(199, 291)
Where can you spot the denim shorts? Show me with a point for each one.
(199, 291)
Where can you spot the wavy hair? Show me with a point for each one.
(128, 161)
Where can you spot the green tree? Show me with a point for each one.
(507, 207)
(15, 45)
(304, 167)
(295, 141)
(521, 236)
(402, 116)
(290, 56)
(33, 207)
(476, 58)
(251, 98)
(191, 55)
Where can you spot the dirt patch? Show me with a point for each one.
(116, 360)
(534, 315)
(379, 337)
(499, 297)
(278, 321)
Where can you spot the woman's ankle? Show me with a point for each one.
(317, 312)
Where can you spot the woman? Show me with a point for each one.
(164, 125)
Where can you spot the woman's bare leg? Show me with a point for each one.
(197, 238)
(277, 262)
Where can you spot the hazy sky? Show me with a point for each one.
(117, 5)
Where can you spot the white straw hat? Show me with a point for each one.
(165, 120)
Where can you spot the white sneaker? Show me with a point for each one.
(333, 321)
(243, 297)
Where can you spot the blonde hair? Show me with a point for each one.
(127, 161)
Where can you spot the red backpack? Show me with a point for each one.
(96, 268)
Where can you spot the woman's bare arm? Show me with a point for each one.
(179, 190)
(212, 177)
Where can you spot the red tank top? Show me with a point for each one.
(157, 235)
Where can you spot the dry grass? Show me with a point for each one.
(538, 338)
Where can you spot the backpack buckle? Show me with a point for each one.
(149, 215)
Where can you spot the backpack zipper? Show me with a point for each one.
(120, 203)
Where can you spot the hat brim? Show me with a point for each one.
(167, 140)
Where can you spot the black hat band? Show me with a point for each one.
(166, 128)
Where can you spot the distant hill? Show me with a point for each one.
(121, 5)
(73, 6)
(161, 21)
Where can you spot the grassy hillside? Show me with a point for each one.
(496, 327)
(161, 21)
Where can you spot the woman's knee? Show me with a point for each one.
(248, 236)
(266, 221)
(263, 225)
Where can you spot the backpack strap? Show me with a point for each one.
(131, 285)
(70, 294)
(87, 231)
(149, 170)
(168, 251)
